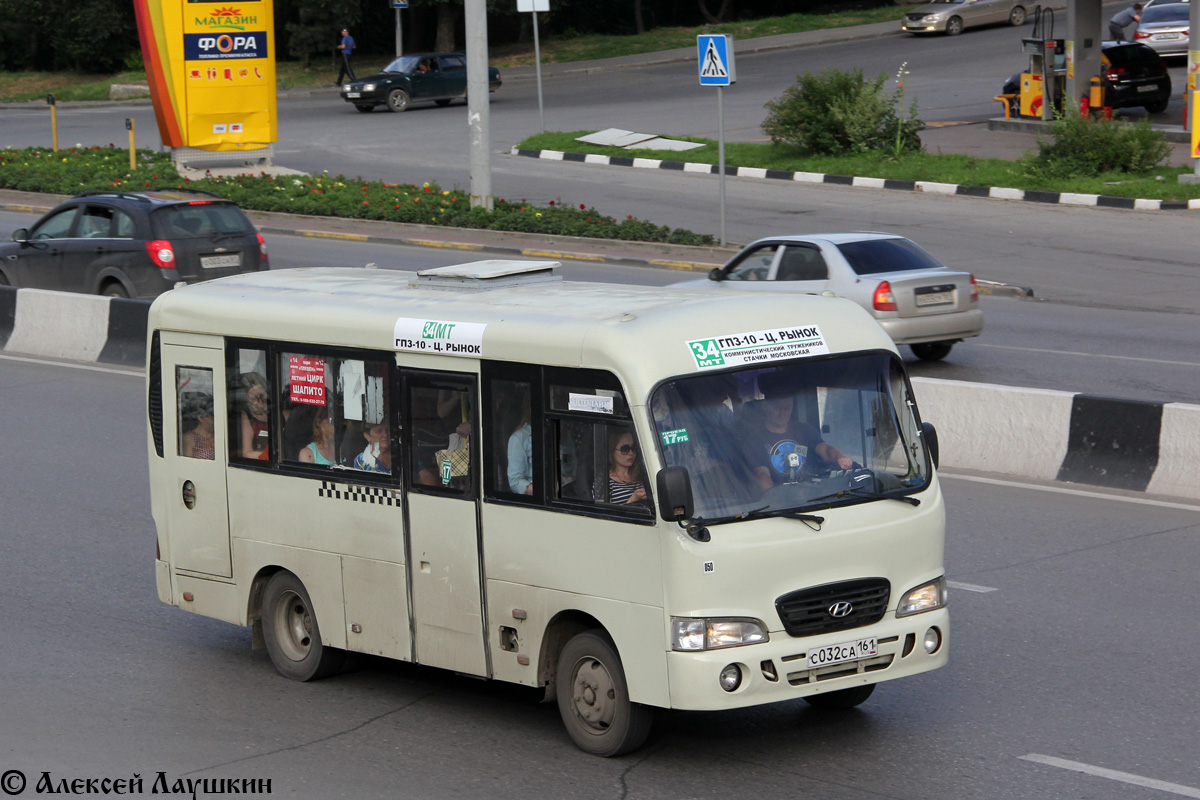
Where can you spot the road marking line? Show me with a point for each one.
(1075, 492)
(970, 587)
(1093, 355)
(1113, 775)
(356, 237)
(135, 371)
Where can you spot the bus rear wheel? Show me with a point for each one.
(291, 632)
(593, 698)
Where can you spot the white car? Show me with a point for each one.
(917, 300)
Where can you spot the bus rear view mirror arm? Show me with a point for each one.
(929, 434)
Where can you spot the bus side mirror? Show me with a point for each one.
(929, 434)
(674, 494)
(21, 235)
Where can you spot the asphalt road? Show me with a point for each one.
(1069, 642)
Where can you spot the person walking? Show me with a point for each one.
(1122, 20)
(347, 48)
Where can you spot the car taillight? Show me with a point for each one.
(1141, 35)
(161, 253)
(262, 248)
(883, 297)
(1114, 73)
(974, 290)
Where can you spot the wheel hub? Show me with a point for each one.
(594, 695)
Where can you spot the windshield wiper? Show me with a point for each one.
(223, 236)
(759, 513)
(855, 491)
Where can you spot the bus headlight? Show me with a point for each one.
(688, 633)
(926, 597)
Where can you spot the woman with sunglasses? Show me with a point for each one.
(625, 481)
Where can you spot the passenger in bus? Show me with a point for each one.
(377, 457)
(520, 451)
(256, 434)
(626, 482)
(320, 449)
(779, 447)
(200, 441)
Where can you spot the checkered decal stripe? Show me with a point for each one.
(375, 495)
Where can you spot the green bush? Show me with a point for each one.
(77, 169)
(1079, 147)
(837, 113)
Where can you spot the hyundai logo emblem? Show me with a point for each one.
(841, 609)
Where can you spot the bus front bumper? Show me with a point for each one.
(778, 670)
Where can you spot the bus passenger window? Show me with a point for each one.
(512, 437)
(194, 387)
(626, 475)
(599, 463)
(250, 405)
(441, 430)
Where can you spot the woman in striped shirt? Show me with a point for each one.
(625, 481)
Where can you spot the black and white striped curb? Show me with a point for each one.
(78, 327)
(928, 187)
(1061, 436)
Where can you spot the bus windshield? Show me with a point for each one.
(803, 435)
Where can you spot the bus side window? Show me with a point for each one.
(194, 396)
(250, 405)
(512, 445)
(442, 430)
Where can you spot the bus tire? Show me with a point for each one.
(841, 699)
(291, 633)
(593, 698)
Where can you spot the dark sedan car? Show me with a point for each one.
(132, 244)
(421, 77)
(1132, 74)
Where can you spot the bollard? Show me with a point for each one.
(53, 120)
(132, 157)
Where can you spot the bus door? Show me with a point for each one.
(194, 448)
(444, 553)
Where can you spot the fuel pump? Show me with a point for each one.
(1041, 85)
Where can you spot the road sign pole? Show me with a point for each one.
(721, 153)
(537, 59)
(399, 35)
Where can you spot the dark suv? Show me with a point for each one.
(133, 244)
(1132, 75)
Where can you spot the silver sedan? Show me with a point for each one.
(951, 16)
(1164, 28)
(917, 300)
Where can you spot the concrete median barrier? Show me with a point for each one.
(1031, 433)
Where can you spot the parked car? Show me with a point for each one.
(420, 77)
(1164, 28)
(918, 301)
(952, 16)
(133, 244)
(1132, 74)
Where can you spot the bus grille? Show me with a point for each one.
(807, 612)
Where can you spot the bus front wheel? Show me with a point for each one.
(292, 636)
(593, 698)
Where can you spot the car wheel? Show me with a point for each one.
(365, 109)
(445, 102)
(954, 26)
(1017, 16)
(593, 698)
(1157, 107)
(931, 351)
(398, 100)
(291, 633)
(113, 289)
(841, 699)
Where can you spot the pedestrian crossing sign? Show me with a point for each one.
(716, 59)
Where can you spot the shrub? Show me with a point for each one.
(838, 112)
(1082, 147)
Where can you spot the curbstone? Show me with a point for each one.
(860, 182)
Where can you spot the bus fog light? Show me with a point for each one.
(933, 640)
(731, 678)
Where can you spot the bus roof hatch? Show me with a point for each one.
(489, 274)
